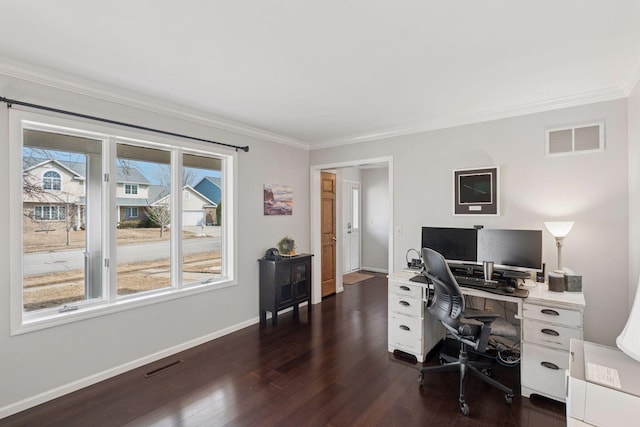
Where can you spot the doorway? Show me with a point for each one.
(385, 163)
(328, 232)
(350, 226)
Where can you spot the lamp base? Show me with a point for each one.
(556, 282)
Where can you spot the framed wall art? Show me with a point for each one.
(278, 199)
(476, 191)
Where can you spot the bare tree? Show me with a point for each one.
(70, 217)
(159, 215)
(163, 175)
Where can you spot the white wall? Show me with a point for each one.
(590, 189)
(350, 174)
(375, 219)
(42, 364)
(634, 191)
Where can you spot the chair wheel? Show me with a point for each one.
(420, 379)
(464, 408)
(442, 361)
(508, 398)
(487, 372)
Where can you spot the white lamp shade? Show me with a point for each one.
(629, 340)
(559, 228)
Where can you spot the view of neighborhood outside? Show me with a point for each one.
(62, 208)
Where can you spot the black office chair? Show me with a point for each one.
(471, 329)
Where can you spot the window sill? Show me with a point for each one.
(97, 309)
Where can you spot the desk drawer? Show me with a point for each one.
(405, 332)
(414, 291)
(405, 305)
(548, 334)
(543, 369)
(562, 316)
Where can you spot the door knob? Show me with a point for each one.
(333, 238)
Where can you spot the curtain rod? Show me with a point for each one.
(10, 102)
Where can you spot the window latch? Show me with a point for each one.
(67, 308)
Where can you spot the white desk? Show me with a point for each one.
(548, 321)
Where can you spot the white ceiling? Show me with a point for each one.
(322, 73)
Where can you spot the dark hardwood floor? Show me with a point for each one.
(330, 370)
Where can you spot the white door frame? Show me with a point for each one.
(316, 246)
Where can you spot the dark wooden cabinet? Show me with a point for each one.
(284, 283)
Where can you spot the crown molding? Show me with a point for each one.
(479, 117)
(54, 79)
(634, 74)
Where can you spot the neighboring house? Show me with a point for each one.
(196, 207)
(58, 194)
(211, 188)
(133, 194)
(54, 190)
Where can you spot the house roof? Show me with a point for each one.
(157, 192)
(212, 179)
(75, 168)
(192, 190)
(128, 174)
(131, 174)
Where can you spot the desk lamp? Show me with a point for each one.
(559, 230)
(629, 339)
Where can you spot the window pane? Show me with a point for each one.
(61, 246)
(356, 207)
(201, 219)
(143, 245)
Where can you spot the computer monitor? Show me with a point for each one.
(511, 249)
(454, 244)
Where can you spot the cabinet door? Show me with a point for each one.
(543, 369)
(302, 280)
(284, 287)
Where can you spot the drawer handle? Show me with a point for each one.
(405, 328)
(550, 332)
(404, 303)
(549, 312)
(404, 288)
(550, 365)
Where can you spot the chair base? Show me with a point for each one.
(481, 370)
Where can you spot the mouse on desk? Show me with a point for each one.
(509, 289)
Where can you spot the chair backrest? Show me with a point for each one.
(448, 301)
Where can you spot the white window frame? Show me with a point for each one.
(131, 210)
(24, 322)
(59, 179)
(131, 189)
(50, 209)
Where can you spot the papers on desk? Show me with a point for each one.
(609, 367)
(603, 375)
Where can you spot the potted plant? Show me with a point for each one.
(287, 246)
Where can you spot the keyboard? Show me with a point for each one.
(475, 282)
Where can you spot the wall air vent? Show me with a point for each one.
(574, 140)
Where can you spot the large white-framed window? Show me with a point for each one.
(105, 270)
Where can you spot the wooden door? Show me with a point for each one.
(328, 232)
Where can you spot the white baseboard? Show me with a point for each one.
(109, 373)
(375, 269)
